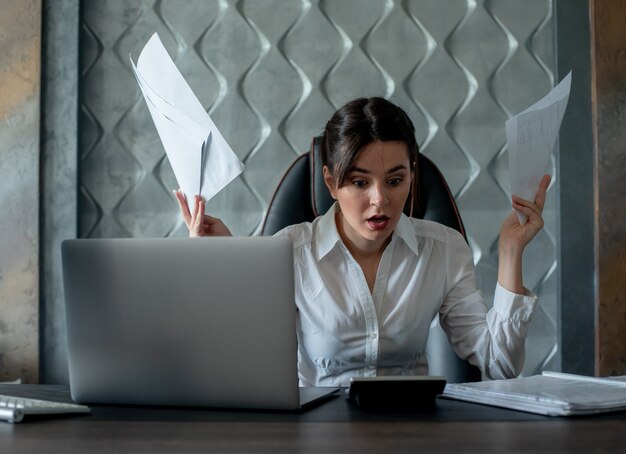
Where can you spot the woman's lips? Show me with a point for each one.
(378, 222)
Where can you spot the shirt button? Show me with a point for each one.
(373, 336)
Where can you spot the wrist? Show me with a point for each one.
(511, 250)
(510, 270)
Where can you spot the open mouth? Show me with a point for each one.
(378, 222)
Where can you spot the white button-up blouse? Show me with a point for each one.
(426, 269)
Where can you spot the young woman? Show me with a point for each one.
(369, 280)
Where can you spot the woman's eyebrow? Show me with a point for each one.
(396, 168)
(365, 171)
(359, 170)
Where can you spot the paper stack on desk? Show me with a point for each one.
(552, 394)
(201, 159)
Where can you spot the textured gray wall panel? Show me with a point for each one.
(271, 72)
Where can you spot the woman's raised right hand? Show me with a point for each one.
(198, 223)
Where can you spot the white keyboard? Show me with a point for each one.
(13, 409)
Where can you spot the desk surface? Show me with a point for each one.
(336, 426)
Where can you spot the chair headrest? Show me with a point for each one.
(321, 198)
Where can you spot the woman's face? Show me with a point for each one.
(374, 192)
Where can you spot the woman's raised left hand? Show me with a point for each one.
(514, 236)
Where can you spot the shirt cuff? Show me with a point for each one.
(513, 305)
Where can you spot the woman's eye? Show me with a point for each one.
(359, 183)
(394, 181)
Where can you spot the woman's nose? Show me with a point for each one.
(378, 196)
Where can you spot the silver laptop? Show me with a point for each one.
(189, 322)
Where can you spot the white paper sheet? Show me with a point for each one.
(201, 159)
(531, 137)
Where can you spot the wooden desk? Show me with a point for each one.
(336, 426)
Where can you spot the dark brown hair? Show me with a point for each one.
(359, 123)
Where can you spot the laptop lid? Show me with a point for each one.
(202, 322)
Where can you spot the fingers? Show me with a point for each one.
(198, 223)
(524, 206)
(193, 220)
(198, 215)
(531, 211)
(182, 204)
(540, 199)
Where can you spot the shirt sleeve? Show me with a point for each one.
(491, 339)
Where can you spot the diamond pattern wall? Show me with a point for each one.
(271, 72)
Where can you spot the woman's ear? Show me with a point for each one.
(330, 184)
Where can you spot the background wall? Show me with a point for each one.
(20, 39)
(40, 185)
(271, 72)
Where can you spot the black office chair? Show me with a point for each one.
(301, 196)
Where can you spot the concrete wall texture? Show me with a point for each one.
(20, 64)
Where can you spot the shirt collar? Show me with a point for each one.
(406, 232)
(327, 236)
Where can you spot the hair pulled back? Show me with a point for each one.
(358, 123)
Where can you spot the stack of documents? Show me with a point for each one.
(552, 394)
